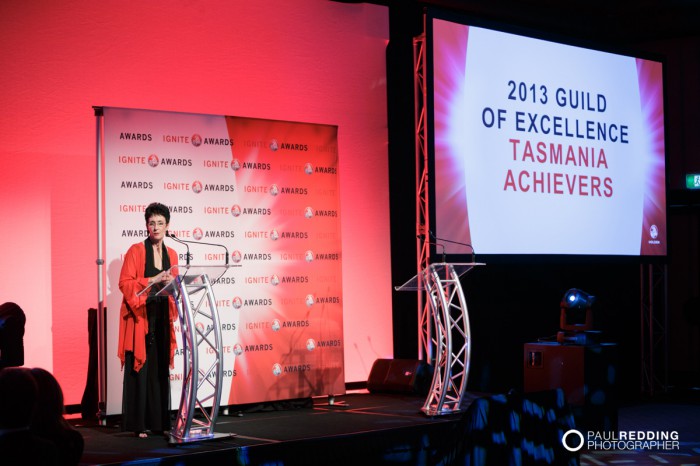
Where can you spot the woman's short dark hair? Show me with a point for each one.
(156, 208)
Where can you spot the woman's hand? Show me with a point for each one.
(164, 278)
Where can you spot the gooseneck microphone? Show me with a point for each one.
(197, 242)
(187, 257)
(432, 235)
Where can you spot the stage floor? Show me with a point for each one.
(362, 428)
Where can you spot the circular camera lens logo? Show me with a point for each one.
(235, 165)
(196, 140)
(274, 145)
(276, 325)
(276, 369)
(236, 256)
(310, 344)
(153, 160)
(197, 233)
(572, 440)
(237, 349)
(654, 231)
(308, 169)
(197, 186)
(235, 210)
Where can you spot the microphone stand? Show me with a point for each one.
(198, 242)
(187, 257)
(432, 235)
(444, 259)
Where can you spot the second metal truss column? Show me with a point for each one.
(452, 340)
(201, 338)
(425, 349)
(654, 328)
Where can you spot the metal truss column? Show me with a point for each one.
(452, 339)
(654, 328)
(425, 330)
(202, 346)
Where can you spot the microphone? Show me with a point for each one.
(432, 235)
(187, 257)
(436, 244)
(197, 242)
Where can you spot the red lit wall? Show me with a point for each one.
(309, 60)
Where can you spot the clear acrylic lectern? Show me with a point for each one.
(201, 338)
(448, 333)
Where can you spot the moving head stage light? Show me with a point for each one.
(576, 318)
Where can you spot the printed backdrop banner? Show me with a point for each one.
(268, 192)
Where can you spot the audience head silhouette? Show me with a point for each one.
(12, 321)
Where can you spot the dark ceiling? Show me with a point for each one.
(621, 22)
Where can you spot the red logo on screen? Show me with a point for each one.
(153, 160)
(197, 187)
(216, 210)
(176, 139)
(215, 163)
(132, 159)
(197, 234)
(256, 234)
(196, 140)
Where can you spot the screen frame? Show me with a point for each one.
(435, 238)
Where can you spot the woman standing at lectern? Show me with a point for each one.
(146, 333)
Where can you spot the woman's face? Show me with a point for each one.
(157, 226)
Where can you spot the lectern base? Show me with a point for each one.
(175, 441)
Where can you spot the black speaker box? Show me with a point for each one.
(400, 376)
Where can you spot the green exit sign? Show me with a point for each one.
(692, 181)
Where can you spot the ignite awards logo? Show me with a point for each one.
(153, 160)
(196, 140)
(574, 440)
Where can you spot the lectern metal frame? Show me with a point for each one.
(201, 334)
(451, 335)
